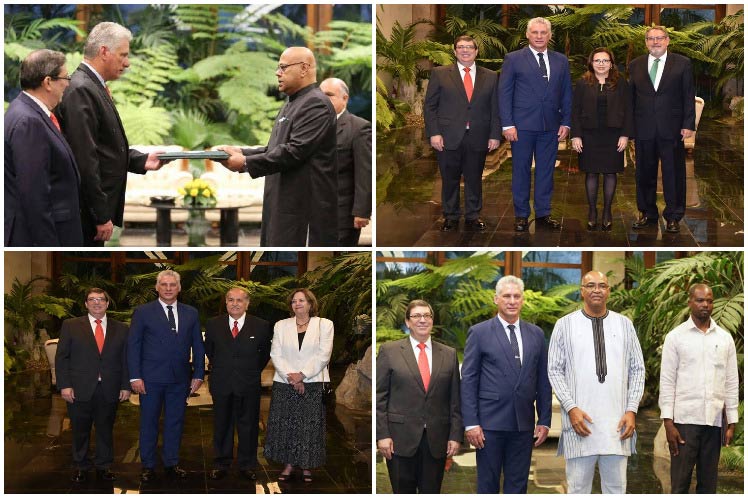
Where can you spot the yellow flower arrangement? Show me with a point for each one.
(198, 193)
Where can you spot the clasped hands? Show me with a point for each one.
(296, 379)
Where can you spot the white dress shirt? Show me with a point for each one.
(660, 67)
(699, 375)
(417, 351)
(173, 309)
(92, 319)
(506, 324)
(545, 59)
(240, 321)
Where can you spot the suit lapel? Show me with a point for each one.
(456, 77)
(537, 81)
(667, 72)
(410, 360)
(104, 95)
(504, 344)
(311, 337)
(88, 334)
(437, 362)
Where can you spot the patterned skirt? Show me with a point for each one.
(296, 426)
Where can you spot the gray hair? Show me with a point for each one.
(105, 34)
(168, 273)
(539, 20)
(509, 280)
(656, 28)
(340, 83)
(38, 65)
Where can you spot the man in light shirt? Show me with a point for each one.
(698, 394)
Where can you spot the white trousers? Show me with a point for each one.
(580, 471)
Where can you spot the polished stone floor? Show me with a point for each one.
(646, 473)
(409, 200)
(38, 445)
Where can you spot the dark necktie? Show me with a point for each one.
(515, 346)
(543, 68)
(172, 321)
(598, 336)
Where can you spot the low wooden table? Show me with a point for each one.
(197, 225)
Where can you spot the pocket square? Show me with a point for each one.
(251, 337)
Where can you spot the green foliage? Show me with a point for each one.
(725, 46)
(25, 309)
(143, 123)
(150, 70)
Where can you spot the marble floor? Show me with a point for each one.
(38, 445)
(409, 201)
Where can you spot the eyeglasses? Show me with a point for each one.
(282, 67)
(592, 286)
(418, 316)
(601, 61)
(465, 47)
(655, 38)
(96, 300)
(69, 78)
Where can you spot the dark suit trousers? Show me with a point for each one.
(508, 452)
(97, 412)
(172, 399)
(242, 413)
(421, 473)
(348, 237)
(543, 145)
(672, 155)
(454, 164)
(703, 443)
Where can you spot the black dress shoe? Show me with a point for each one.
(591, 226)
(477, 224)
(105, 474)
(78, 476)
(449, 225)
(248, 474)
(520, 224)
(147, 475)
(547, 221)
(217, 474)
(175, 471)
(672, 226)
(607, 226)
(643, 221)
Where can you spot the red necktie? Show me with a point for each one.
(423, 366)
(54, 121)
(99, 335)
(108, 91)
(235, 330)
(468, 82)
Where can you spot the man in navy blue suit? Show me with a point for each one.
(504, 381)
(162, 333)
(41, 176)
(535, 112)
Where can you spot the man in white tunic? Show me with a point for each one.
(698, 383)
(596, 369)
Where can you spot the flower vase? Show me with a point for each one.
(197, 226)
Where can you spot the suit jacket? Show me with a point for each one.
(446, 108)
(92, 127)
(41, 180)
(662, 114)
(236, 364)
(620, 113)
(155, 354)
(496, 394)
(313, 357)
(78, 362)
(354, 169)
(404, 408)
(526, 101)
(300, 166)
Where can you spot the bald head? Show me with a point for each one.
(595, 293)
(337, 90)
(297, 69)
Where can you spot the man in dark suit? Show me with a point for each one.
(162, 335)
(504, 382)
(354, 165)
(664, 115)
(462, 124)
(299, 162)
(535, 109)
(92, 127)
(238, 347)
(41, 177)
(418, 405)
(91, 367)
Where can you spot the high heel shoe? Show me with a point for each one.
(592, 220)
(591, 226)
(607, 226)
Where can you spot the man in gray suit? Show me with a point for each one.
(419, 422)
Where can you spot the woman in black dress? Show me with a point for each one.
(601, 122)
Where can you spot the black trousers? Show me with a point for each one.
(348, 237)
(99, 413)
(241, 413)
(467, 163)
(672, 155)
(89, 231)
(421, 473)
(703, 443)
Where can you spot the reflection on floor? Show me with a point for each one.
(409, 186)
(38, 446)
(548, 471)
(143, 235)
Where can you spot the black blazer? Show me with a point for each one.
(584, 108)
(662, 114)
(41, 180)
(78, 363)
(301, 173)
(92, 127)
(354, 169)
(446, 108)
(236, 364)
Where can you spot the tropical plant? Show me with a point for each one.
(725, 46)
(488, 34)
